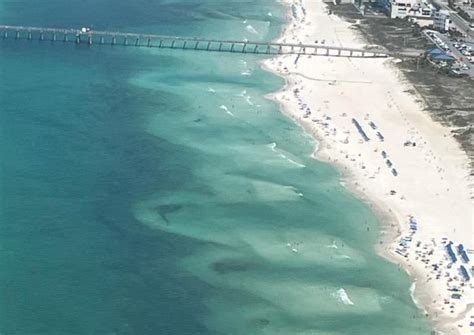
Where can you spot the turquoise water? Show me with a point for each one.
(157, 192)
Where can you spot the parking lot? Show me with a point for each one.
(462, 51)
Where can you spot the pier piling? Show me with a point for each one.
(41, 36)
(114, 40)
(30, 35)
(5, 34)
(137, 42)
(148, 44)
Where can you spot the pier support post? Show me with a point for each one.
(41, 36)
(172, 44)
(303, 51)
(148, 44)
(280, 49)
(350, 53)
(17, 35)
(78, 39)
(89, 39)
(114, 40)
(101, 40)
(339, 52)
(292, 49)
(137, 42)
(232, 47)
(5, 34)
(66, 38)
(268, 49)
(161, 43)
(53, 37)
(327, 52)
(243, 49)
(255, 49)
(196, 45)
(125, 41)
(208, 45)
(30, 35)
(220, 46)
(184, 44)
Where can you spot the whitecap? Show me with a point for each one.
(244, 21)
(281, 155)
(344, 257)
(273, 146)
(251, 29)
(269, 14)
(295, 163)
(344, 297)
(224, 108)
(246, 73)
(247, 98)
(210, 89)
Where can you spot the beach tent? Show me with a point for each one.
(451, 252)
(464, 273)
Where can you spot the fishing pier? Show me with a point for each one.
(92, 37)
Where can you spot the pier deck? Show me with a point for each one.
(91, 37)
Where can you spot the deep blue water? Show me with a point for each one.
(133, 203)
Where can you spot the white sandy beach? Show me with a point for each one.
(431, 185)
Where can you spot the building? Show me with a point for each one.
(441, 58)
(442, 20)
(411, 8)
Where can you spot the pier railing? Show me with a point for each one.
(91, 37)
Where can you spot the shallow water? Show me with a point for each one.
(157, 192)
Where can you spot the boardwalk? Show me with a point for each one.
(91, 37)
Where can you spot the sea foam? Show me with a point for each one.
(251, 29)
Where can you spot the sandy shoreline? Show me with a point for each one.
(427, 200)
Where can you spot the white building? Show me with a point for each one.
(411, 8)
(442, 20)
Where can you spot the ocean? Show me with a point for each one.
(148, 191)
